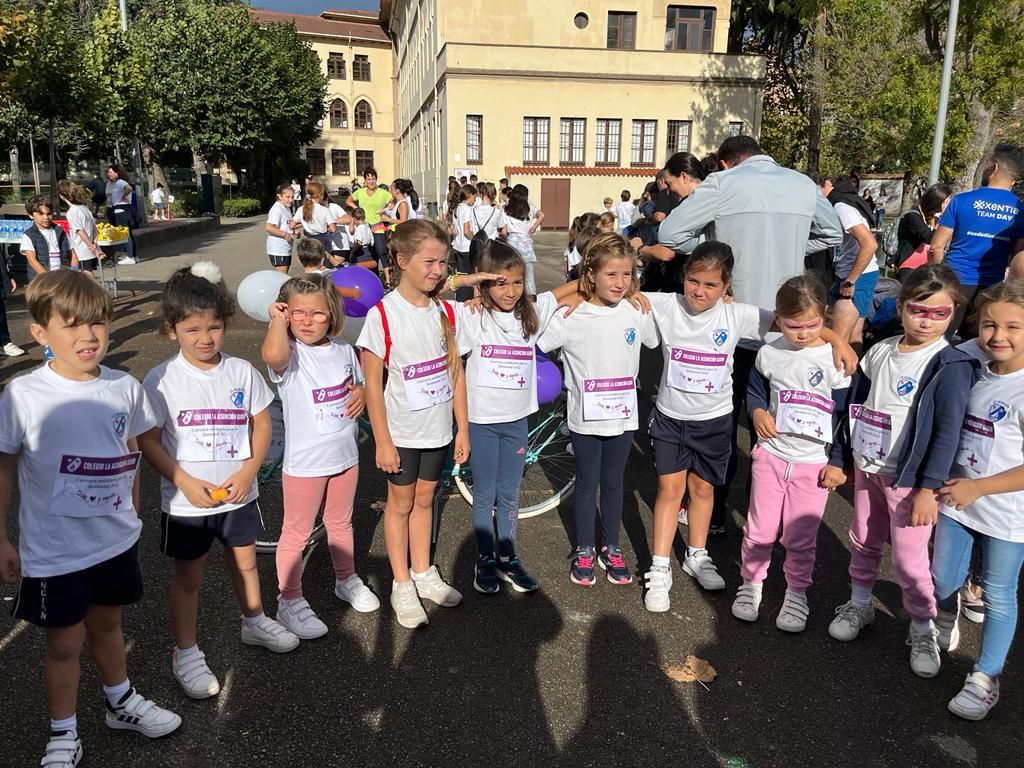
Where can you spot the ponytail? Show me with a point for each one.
(314, 189)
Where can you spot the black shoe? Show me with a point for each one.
(515, 574)
(485, 579)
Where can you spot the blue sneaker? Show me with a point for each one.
(614, 565)
(581, 570)
(485, 580)
(515, 574)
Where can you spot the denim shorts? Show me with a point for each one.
(863, 292)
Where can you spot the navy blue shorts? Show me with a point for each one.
(63, 601)
(701, 446)
(419, 464)
(189, 538)
(280, 261)
(863, 292)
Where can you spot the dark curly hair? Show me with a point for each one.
(187, 293)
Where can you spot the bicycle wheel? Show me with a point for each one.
(550, 472)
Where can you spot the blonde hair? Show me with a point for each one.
(599, 251)
(406, 240)
(1010, 292)
(607, 222)
(310, 285)
(74, 297)
(314, 193)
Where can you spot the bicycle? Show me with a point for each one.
(548, 478)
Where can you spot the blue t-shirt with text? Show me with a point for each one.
(986, 222)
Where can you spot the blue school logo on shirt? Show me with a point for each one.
(905, 385)
(815, 376)
(119, 421)
(237, 397)
(630, 336)
(719, 336)
(998, 410)
(349, 370)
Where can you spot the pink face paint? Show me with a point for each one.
(938, 314)
(811, 326)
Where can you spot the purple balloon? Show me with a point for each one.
(549, 382)
(540, 353)
(370, 288)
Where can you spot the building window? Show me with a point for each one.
(581, 20)
(315, 161)
(339, 114)
(474, 139)
(688, 28)
(735, 129)
(572, 133)
(336, 66)
(678, 137)
(535, 140)
(364, 115)
(361, 68)
(339, 162)
(621, 30)
(608, 139)
(364, 159)
(642, 152)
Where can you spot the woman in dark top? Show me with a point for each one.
(915, 230)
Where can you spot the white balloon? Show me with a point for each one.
(352, 329)
(258, 291)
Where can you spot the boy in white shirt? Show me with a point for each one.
(69, 429)
(157, 198)
(624, 210)
(362, 241)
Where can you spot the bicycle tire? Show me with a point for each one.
(550, 474)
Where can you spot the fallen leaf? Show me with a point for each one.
(693, 670)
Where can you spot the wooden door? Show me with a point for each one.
(554, 201)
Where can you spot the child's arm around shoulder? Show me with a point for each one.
(277, 350)
(951, 394)
(759, 397)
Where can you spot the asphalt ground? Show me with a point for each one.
(564, 676)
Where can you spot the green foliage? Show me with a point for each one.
(185, 205)
(240, 207)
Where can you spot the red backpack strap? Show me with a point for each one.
(450, 311)
(387, 333)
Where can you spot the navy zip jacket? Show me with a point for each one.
(933, 424)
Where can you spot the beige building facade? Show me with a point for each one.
(577, 100)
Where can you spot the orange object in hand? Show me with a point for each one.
(219, 494)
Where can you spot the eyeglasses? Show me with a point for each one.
(921, 312)
(810, 326)
(317, 315)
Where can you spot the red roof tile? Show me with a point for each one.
(579, 170)
(315, 25)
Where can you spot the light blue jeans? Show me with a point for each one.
(1000, 572)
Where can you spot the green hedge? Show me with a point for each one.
(240, 207)
(185, 205)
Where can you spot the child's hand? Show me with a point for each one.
(925, 509)
(10, 563)
(641, 302)
(388, 460)
(197, 492)
(461, 447)
(238, 486)
(845, 358)
(475, 305)
(959, 493)
(831, 477)
(570, 303)
(475, 278)
(356, 400)
(764, 424)
(278, 311)
(636, 242)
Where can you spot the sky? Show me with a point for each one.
(314, 7)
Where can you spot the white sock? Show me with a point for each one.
(860, 596)
(660, 562)
(115, 693)
(797, 592)
(67, 724)
(252, 621)
(182, 654)
(752, 584)
(288, 601)
(419, 576)
(921, 626)
(691, 551)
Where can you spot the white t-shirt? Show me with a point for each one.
(877, 430)
(81, 218)
(992, 441)
(320, 439)
(519, 237)
(463, 214)
(342, 241)
(204, 417)
(488, 218)
(297, 190)
(419, 390)
(279, 216)
(49, 260)
(116, 192)
(572, 257)
(850, 217)
(362, 234)
(320, 219)
(601, 356)
(697, 352)
(75, 470)
(156, 196)
(624, 213)
(501, 374)
(802, 381)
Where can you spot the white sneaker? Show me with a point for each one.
(658, 581)
(793, 614)
(270, 634)
(924, 651)
(948, 626)
(700, 566)
(850, 619)
(125, 261)
(299, 619)
(432, 587)
(137, 713)
(13, 350)
(747, 603)
(979, 694)
(406, 603)
(64, 750)
(195, 676)
(354, 592)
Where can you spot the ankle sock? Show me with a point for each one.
(115, 693)
(420, 576)
(660, 562)
(921, 626)
(797, 592)
(860, 596)
(252, 621)
(69, 724)
(752, 584)
(183, 654)
(691, 551)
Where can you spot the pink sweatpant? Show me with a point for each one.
(303, 498)
(787, 495)
(881, 514)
